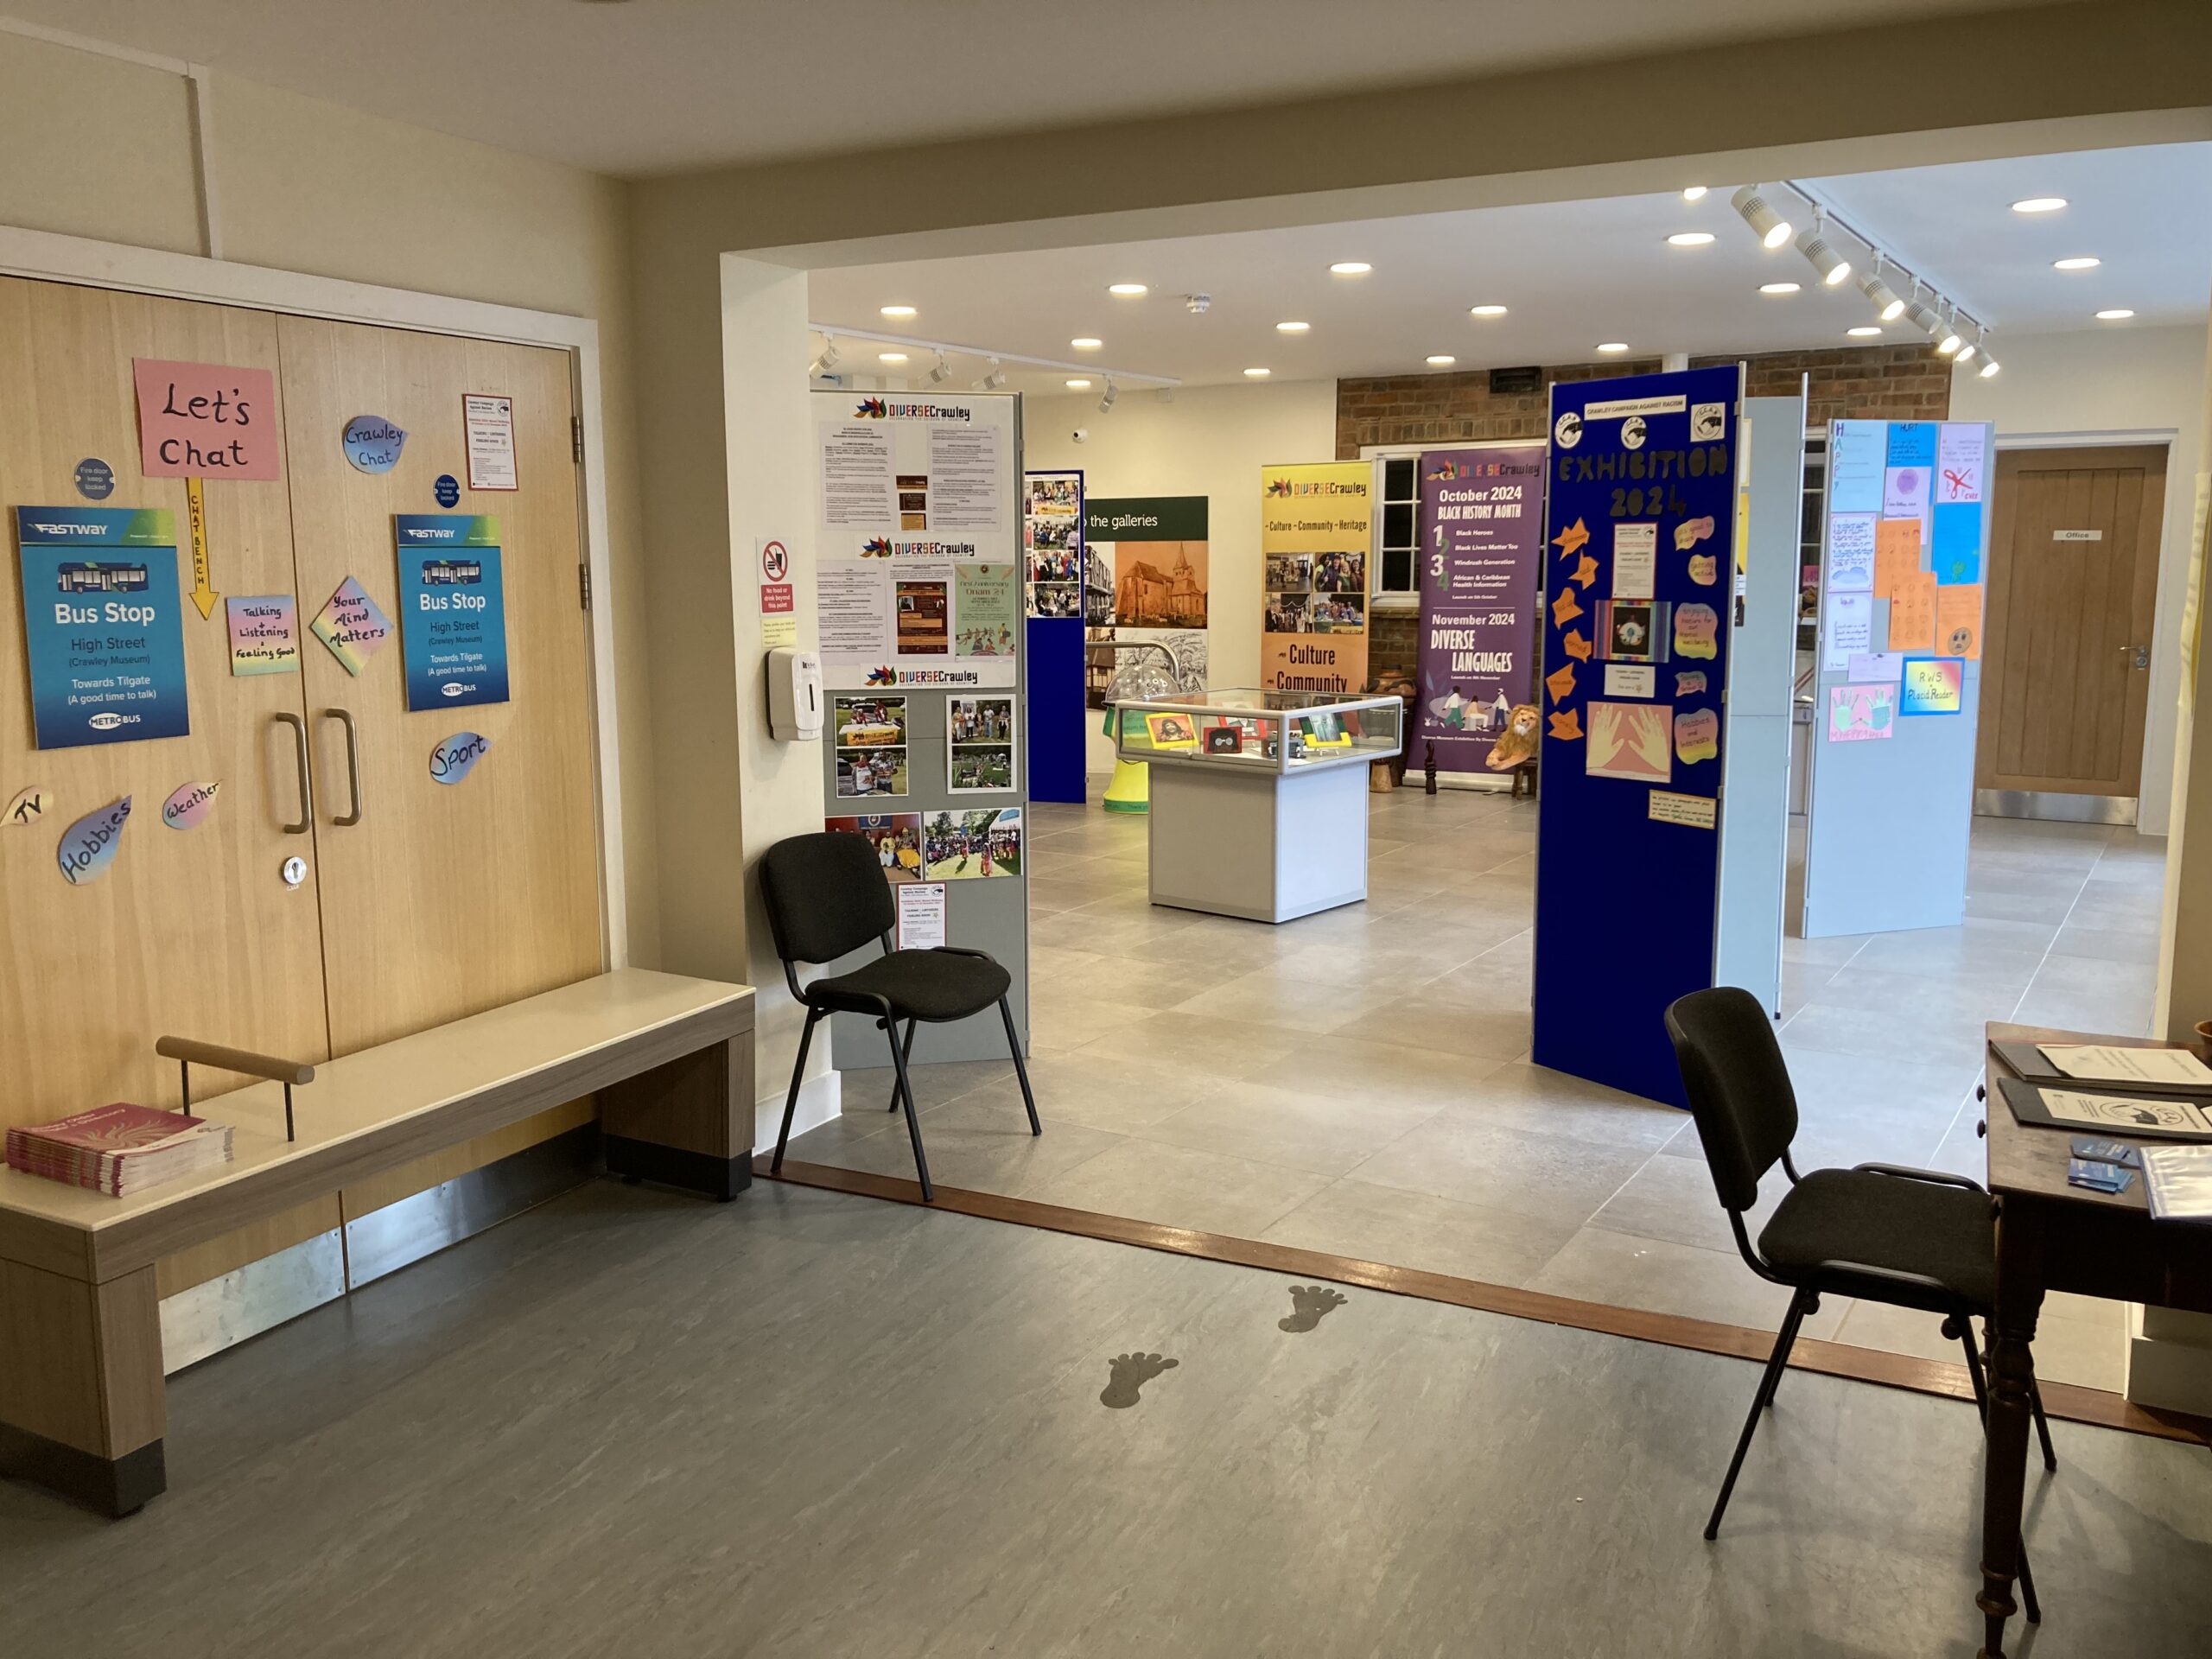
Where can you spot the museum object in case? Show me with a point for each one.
(1259, 798)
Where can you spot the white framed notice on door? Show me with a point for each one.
(489, 423)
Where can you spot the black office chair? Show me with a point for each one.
(1909, 1237)
(827, 896)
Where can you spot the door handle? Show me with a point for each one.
(2137, 656)
(306, 797)
(353, 765)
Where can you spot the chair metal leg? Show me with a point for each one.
(1780, 1358)
(1807, 1304)
(1014, 1047)
(894, 1106)
(790, 1101)
(2029, 1605)
(914, 1123)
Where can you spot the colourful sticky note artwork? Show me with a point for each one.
(1954, 541)
(1571, 540)
(456, 757)
(1912, 443)
(264, 634)
(1933, 685)
(1564, 609)
(1912, 613)
(1629, 741)
(1861, 714)
(1567, 727)
(1960, 453)
(1691, 532)
(1851, 552)
(1905, 491)
(1697, 630)
(373, 443)
(1697, 736)
(28, 807)
(1560, 683)
(88, 846)
(1586, 572)
(204, 420)
(1576, 646)
(1689, 683)
(354, 626)
(1896, 553)
(1958, 621)
(188, 806)
(1705, 569)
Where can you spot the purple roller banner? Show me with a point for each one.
(1482, 515)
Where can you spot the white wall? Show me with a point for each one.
(2116, 379)
(1210, 440)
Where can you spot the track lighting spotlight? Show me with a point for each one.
(1924, 315)
(1813, 243)
(1989, 366)
(1879, 295)
(992, 380)
(1772, 228)
(940, 371)
(1948, 338)
(827, 362)
(1966, 352)
(1106, 401)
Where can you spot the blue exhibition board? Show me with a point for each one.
(1053, 578)
(103, 624)
(452, 619)
(1639, 563)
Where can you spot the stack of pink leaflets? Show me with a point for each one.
(119, 1149)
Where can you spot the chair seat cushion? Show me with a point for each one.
(931, 986)
(1944, 1233)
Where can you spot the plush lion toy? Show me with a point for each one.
(1515, 748)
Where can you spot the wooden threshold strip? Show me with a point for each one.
(2098, 1407)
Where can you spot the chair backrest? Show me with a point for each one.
(826, 894)
(1738, 1087)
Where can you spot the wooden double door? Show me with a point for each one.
(421, 902)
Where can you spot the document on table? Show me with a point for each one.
(2103, 1063)
(2178, 1182)
(2123, 1112)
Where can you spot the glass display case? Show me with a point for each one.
(1258, 798)
(1265, 731)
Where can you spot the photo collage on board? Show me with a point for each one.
(1051, 541)
(1316, 592)
(870, 733)
(979, 745)
(971, 846)
(896, 839)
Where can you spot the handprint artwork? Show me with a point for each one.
(1633, 741)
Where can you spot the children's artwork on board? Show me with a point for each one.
(1630, 740)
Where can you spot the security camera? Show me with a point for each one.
(1082, 434)
(1197, 304)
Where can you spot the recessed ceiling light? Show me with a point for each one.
(897, 310)
(1778, 288)
(2118, 314)
(1086, 343)
(2077, 261)
(1863, 331)
(1689, 238)
(1612, 346)
(891, 357)
(1486, 311)
(1441, 361)
(1291, 327)
(1257, 374)
(1350, 268)
(2039, 205)
(1126, 290)
(1078, 386)
(1694, 193)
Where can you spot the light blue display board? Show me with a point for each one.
(452, 619)
(1891, 797)
(103, 624)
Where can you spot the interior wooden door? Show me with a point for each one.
(191, 932)
(443, 899)
(2073, 581)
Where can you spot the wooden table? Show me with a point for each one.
(2053, 1237)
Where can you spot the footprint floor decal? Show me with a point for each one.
(1308, 1304)
(1130, 1373)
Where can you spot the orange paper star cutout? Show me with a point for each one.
(1577, 647)
(1560, 684)
(1564, 609)
(1567, 727)
(1570, 541)
(1586, 572)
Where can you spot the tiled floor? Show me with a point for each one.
(1357, 1081)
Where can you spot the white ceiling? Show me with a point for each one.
(661, 86)
(1572, 275)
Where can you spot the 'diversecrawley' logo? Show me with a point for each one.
(872, 409)
(876, 546)
(883, 676)
(1278, 486)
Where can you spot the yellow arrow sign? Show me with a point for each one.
(196, 510)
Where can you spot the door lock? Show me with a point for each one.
(2137, 656)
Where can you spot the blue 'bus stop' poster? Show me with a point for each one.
(1639, 564)
(103, 624)
(452, 619)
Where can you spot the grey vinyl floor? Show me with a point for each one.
(630, 1423)
(1358, 1082)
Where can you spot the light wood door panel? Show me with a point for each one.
(190, 931)
(2073, 581)
(445, 900)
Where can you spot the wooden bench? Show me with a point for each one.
(670, 1058)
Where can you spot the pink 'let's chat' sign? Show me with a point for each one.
(204, 420)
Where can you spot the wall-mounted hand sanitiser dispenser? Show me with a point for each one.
(794, 695)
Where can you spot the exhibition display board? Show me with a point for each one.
(1640, 526)
(1317, 540)
(1481, 574)
(1148, 577)
(1052, 567)
(923, 514)
(1903, 547)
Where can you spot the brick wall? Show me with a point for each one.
(1892, 383)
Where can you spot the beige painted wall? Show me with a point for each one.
(94, 147)
(2111, 381)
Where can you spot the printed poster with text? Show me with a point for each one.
(1481, 567)
(452, 619)
(1149, 566)
(103, 624)
(1317, 532)
(917, 572)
